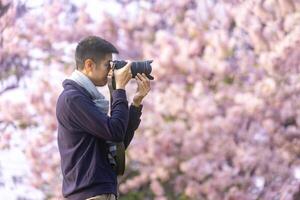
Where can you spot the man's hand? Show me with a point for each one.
(142, 89)
(122, 76)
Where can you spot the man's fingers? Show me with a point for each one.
(147, 81)
(141, 84)
(138, 80)
(144, 75)
(139, 77)
(143, 79)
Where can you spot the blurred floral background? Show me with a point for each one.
(222, 121)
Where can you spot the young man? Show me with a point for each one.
(85, 130)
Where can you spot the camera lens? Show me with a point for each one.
(137, 67)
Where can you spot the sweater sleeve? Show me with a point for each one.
(134, 121)
(86, 114)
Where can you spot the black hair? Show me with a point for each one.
(92, 47)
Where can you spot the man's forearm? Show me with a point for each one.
(134, 117)
(134, 121)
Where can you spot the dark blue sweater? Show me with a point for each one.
(82, 132)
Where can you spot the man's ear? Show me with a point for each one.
(88, 65)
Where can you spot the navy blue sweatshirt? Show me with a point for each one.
(82, 132)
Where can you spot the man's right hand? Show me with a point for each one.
(123, 76)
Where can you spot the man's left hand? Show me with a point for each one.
(142, 89)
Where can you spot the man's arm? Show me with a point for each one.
(92, 120)
(135, 113)
(136, 107)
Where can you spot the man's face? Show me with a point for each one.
(98, 72)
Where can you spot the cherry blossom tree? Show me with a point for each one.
(222, 119)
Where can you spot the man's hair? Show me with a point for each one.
(92, 47)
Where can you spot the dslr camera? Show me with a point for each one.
(136, 67)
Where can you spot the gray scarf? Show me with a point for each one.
(100, 102)
(85, 82)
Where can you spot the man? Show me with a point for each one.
(85, 128)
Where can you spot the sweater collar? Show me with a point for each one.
(70, 84)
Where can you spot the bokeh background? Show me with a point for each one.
(222, 121)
